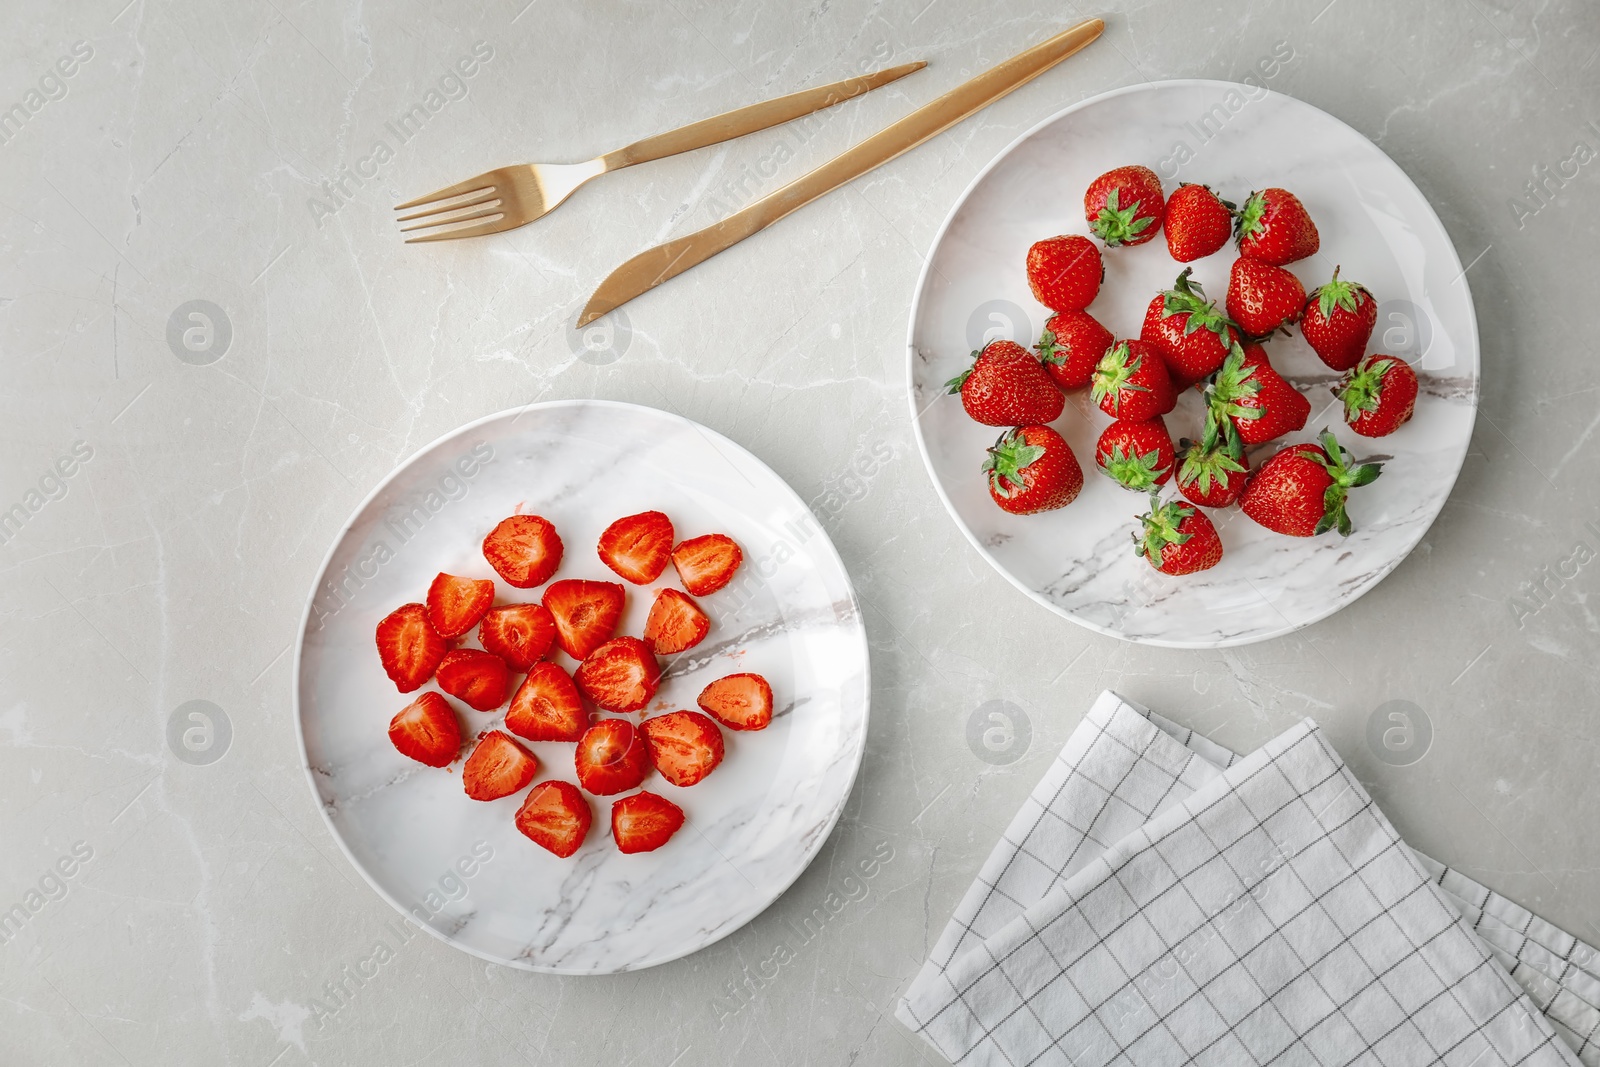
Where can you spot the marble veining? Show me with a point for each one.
(753, 825)
(1374, 223)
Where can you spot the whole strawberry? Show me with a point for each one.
(1131, 382)
(1379, 394)
(1262, 298)
(1031, 469)
(1337, 321)
(1189, 332)
(1071, 346)
(1124, 206)
(1301, 490)
(1136, 455)
(1274, 228)
(1197, 222)
(1211, 472)
(1177, 538)
(1065, 272)
(1249, 402)
(1007, 386)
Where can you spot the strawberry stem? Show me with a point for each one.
(1347, 475)
(1007, 458)
(1161, 528)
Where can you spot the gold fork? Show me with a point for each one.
(508, 197)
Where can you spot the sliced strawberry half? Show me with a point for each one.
(707, 563)
(498, 767)
(427, 730)
(456, 604)
(620, 675)
(547, 706)
(611, 757)
(520, 634)
(739, 701)
(555, 817)
(644, 822)
(685, 746)
(638, 547)
(525, 550)
(675, 623)
(409, 646)
(475, 677)
(586, 613)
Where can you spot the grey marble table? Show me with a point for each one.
(180, 478)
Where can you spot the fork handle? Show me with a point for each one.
(653, 266)
(737, 123)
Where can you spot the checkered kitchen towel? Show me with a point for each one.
(1159, 900)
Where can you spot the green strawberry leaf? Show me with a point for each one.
(1008, 457)
(1049, 351)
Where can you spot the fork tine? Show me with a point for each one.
(471, 185)
(488, 196)
(480, 230)
(490, 213)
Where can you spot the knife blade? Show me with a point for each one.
(653, 266)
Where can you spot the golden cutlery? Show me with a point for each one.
(508, 197)
(650, 268)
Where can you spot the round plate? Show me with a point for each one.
(459, 867)
(1079, 561)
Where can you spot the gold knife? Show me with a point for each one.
(650, 268)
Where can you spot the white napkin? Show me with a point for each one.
(1158, 900)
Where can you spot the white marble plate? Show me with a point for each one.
(1374, 222)
(458, 866)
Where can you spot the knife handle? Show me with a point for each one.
(737, 123)
(928, 121)
(655, 265)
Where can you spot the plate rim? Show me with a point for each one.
(911, 363)
(818, 840)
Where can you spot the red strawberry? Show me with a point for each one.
(555, 817)
(476, 678)
(706, 563)
(644, 822)
(1261, 298)
(1131, 382)
(547, 706)
(675, 623)
(525, 550)
(586, 613)
(1211, 472)
(1274, 228)
(611, 757)
(739, 701)
(1124, 206)
(1177, 538)
(638, 546)
(1137, 455)
(1007, 386)
(498, 767)
(1189, 332)
(409, 646)
(1031, 469)
(1065, 272)
(456, 604)
(1256, 401)
(427, 730)
(685, 746)
(520, 634)
(1197, 222)
(1379, 395)
(1071, 345)
(1337, 321)
(620, 675)
(1301, 490)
